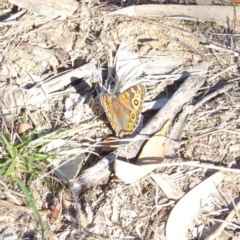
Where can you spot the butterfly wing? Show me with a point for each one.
(116, 113)
(132, 98)
(123, 111)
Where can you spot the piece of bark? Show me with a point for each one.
(104, 167)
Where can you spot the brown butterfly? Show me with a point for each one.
(123, 110)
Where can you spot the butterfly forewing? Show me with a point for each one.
(110, 111)
(132, 98)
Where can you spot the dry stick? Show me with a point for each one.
(228, 223)
(24, 22)
(15, 16)
(177, 130)
(192, 49)
(103, 168)
(196, 164)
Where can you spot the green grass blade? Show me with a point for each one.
(30, 162)
(41, 156)
(23, 167)
(4, 164)
(36, 166)
(9, 147)
(4, 168)
(21, 157)
(49, 183)
(30, 202)
(9, 171)
(23, 144)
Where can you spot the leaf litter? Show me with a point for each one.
(46, 60)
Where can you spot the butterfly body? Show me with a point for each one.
(123, 110)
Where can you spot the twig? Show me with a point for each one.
(20, 13)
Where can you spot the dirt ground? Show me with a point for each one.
(35, 49)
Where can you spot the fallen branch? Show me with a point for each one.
(103, 168)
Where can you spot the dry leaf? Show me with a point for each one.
(183, 213)
(152, 155)
(35, 117)
(61, 55)
(154, 150)
(23, 127)
(129, 173)
(55, 210)
(167, 185)
(9, 234)
(78, 110)
(68, 160)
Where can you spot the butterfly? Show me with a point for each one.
(123, 110)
